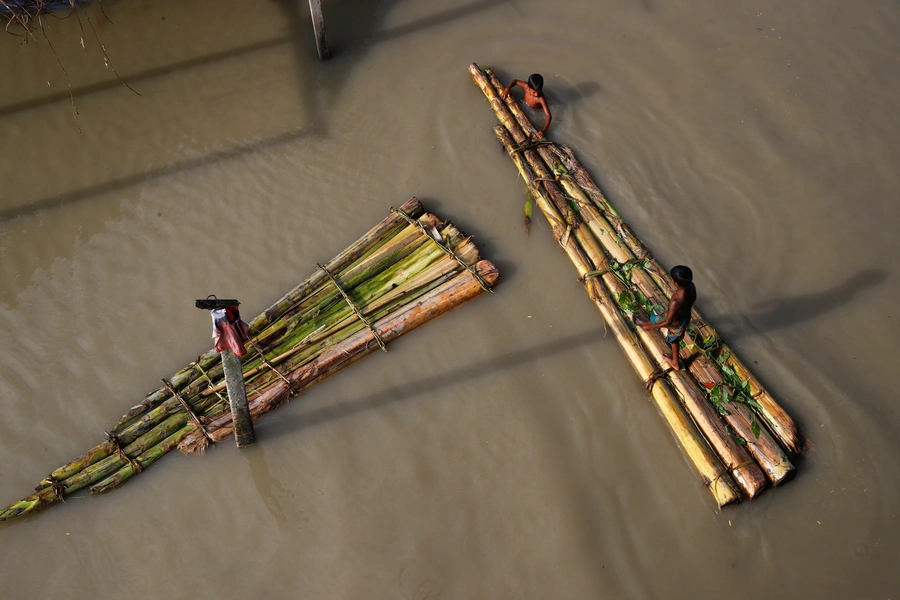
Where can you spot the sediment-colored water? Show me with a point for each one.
(506, 450)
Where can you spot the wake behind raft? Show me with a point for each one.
(407, 270)
(732, 429)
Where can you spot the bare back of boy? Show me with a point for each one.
(533, 98)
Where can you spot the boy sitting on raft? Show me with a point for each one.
(678, 316)
(534, 97)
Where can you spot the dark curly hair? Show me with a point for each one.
(682, 275)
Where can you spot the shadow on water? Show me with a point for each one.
(291, 424)
(350, 24)
(778, 313)
(135, 79)
(568, 95)
(435, 20)
(564, 99)
(271, 490)
(171, 169)
(353, 25)
(486, 248)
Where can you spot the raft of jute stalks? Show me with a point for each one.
(407, 270)
(731, 428)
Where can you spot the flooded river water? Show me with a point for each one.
(508, 449)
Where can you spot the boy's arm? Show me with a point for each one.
(509, 87)
(546, 108)
(674, 303)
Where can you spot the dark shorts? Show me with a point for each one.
(674, 332)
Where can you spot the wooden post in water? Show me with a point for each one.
(226, 318)
(318, 21)
(237, 399)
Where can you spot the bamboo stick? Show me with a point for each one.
(244, 435)
(401, 286)
(759, 441)
(746, 472)
(774, 416)
(93, 472)
(328, 298)
(396, 271)
(370, 273)
(384, 230)
(407, 268)
(451, 233)
(152, 418)
(764, 449)
(409, 265)
(747, 475)
(113, 462)
(390, 224)
(406, 293)
(742, 466)
(145, 459)
(457, 290)
(88, 458)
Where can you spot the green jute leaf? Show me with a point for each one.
(529, 209)
(627, 302)
(729, 373)
(718, 395)
(707, 343)
(736, 437)
(754, 427)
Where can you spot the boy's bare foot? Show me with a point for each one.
(673, 363)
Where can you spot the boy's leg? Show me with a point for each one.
(673, 360)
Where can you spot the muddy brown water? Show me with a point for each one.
(506, 450)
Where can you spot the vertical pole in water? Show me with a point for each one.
(230, 333)
(237, 399)
(315, 9)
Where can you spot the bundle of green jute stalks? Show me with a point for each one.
(731, 428)
(407, 270)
